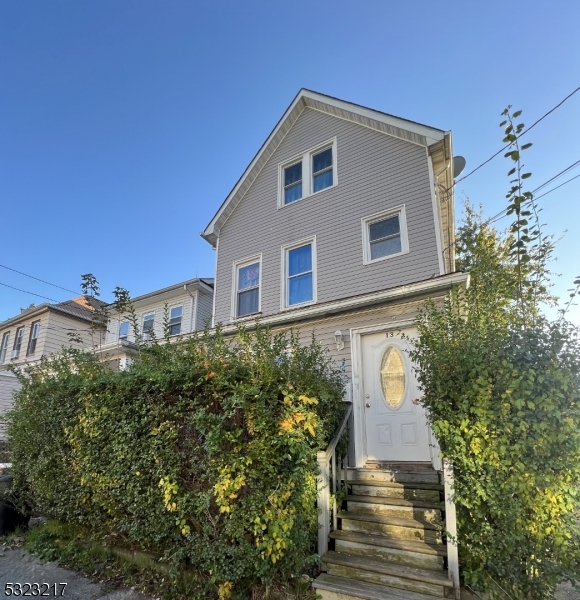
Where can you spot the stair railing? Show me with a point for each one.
(451, 526)
(330, 466)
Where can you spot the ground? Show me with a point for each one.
(17, 566)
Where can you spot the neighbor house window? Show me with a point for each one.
(300, 274)
(385, 235)
(34, 333)
(17, 342)
(307, 174)
(124, 330)
(247, 286)
(4, 347)
(175, 320)
(148, 326)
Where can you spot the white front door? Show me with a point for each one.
(395, 426)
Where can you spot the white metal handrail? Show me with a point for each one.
(327, 462)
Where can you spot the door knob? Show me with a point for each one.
(368, 404)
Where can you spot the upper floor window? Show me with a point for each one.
(34, 333)
(307, 174)
(4, 347)
(124, 330)
(385, 235)
(148, 321)
(175, 320)
(300, 274)
(17, 342)
(247, 296)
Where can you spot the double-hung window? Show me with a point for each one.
(148, 321)
(4, 347)
(247, 285)
(175, 315)
(299, 274)
(124, 330)
(307, 174)
(385, 235)
(17, 342)
(33, 338)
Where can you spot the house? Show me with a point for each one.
(40, 331)
(183, 307)
(343, 224)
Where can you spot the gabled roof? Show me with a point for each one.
(412, 132)
(78, 308)
(203, 284)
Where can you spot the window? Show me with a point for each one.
(308, 174)
(124, 330)
(385, 235)
(293, 183)
(175, 320)
(4, 347)
(300, 274)
(34, 333)
(321, 170)
(148, 326)
(17, 342)
(247, 286)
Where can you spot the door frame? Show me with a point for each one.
(356, 335)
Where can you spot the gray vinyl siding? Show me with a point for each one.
(204, 310)
(375, 172)
(8, 385)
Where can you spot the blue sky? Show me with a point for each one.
(125, 123)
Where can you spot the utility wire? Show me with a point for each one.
(31, 293)
(558, 186)
(37, 279)
(519, 136)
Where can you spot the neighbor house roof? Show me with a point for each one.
(79, 308)
(410, 131)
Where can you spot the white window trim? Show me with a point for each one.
(18, 341)
(169, 309)
(4, 345)
(128, 329)
(367, 221)
(146, 314)
(284, 305)
(306, 158)
(237, 265)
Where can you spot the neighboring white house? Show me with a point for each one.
(184, 307)
(42, 331)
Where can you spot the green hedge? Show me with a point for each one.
(203, 450)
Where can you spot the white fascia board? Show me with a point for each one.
(438, 284)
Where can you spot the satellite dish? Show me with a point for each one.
(458, 165)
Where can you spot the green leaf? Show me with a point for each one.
(516, 114)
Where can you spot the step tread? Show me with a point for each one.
(395, 501)
(412, 485)
(385, 542)
(397, 521)
(361, 589)
(387, 568)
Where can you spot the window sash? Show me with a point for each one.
(322, 177)
(385, 235)
(300, 276)
(18, 341)
(4, 347)
(248, 289)
(148, 321)
(124, 330)
(34, 333)
(175, 320)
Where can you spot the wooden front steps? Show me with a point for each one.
(389, 543)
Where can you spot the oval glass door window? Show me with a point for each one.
(393, 380)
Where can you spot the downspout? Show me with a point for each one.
(193, 307)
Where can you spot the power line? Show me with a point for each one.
(519, 136)
(572, 166)
(37, 279)
(558, 186)
(31, 293)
